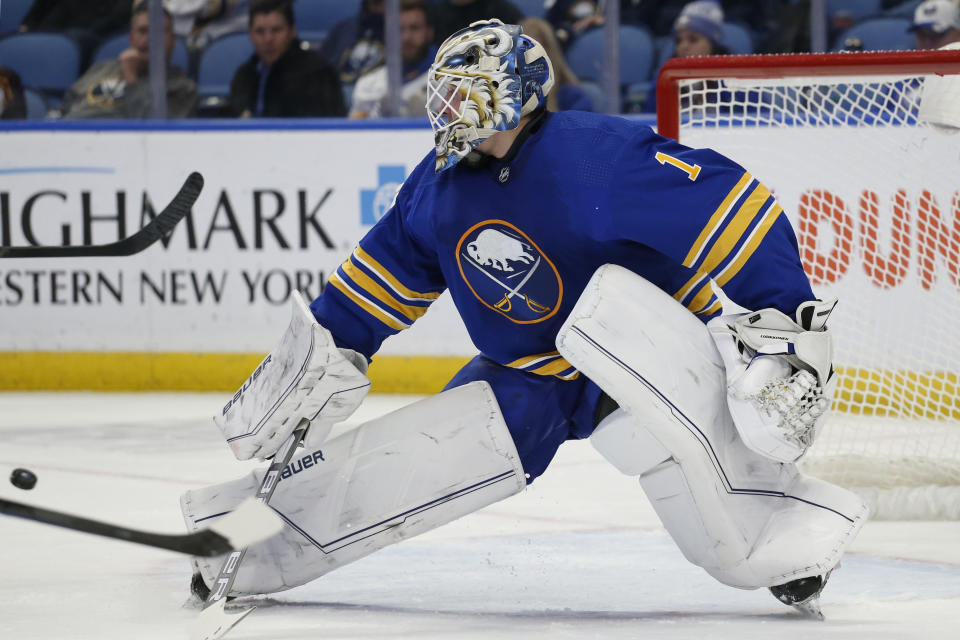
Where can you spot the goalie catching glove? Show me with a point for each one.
(305, 377)
(780, 377)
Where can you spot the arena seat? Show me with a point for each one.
(47, 62)
(11, 15)
(318, 17)
(36, 105)
(855, 9)
(531, 8)
(219, 61)
(738, 38)
(636, 55)
(595, 93)
(879, 34)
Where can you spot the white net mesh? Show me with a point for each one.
(867, 170)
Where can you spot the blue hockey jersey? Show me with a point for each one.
(515, 242)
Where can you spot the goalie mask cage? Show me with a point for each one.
(863, 152)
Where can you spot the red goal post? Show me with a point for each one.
(863, 152)
(782, 66)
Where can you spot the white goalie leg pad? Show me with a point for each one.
(392, 478)
(305, 377)
(747, 520)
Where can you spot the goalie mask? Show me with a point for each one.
(483, 80)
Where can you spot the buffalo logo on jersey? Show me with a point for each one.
(508, 272)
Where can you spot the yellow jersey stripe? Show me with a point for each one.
(552, 368)
(753, 241)
(689, 286)
(709, 311)
(717, 219)
(372, 287)
(366, 305)
(553, 365)
(526, 361)
(370, 263)
(702, 298)
(735, 230)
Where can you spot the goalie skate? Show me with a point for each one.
(802, 594)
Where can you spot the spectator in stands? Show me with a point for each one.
(13, 105)
(86, 21)
(453, 15)
(355, 45)
(570, 18)
(418, 51)
(199, 22)
(121, 88)
(787, 29)
(567, 94)
(936, 23)
(281, 79)
(698, 30)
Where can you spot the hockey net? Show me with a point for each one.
(863, 152)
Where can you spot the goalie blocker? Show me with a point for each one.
(748, 520)
(305, 377)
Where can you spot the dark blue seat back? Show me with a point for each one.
(46, 61)
(585, 56)
(318, 17)
(219, 61)
(879, 34)
(12, 13)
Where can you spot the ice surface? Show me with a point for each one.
(578, 555)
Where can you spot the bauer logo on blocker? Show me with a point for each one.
(374, 203)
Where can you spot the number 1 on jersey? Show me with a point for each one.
(692, 171)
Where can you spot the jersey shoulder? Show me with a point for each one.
(595, 133)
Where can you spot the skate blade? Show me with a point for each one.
(214, 622)
(810, 609)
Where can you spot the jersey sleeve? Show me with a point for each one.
(388, 281)
(716, 220)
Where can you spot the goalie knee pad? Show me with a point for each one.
(386, 480)
(749, 521)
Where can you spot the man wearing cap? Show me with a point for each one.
(936, 23)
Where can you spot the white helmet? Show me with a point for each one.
(483, 80)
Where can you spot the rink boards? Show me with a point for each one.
(283, 205)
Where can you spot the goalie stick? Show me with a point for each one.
(214, 622)
(162, 224)
(249, 523)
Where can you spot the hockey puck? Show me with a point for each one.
(23, 479)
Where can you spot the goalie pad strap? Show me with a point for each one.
(384, 481)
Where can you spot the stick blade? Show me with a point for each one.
(249, 523)
(214, 622)
(162, 225)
